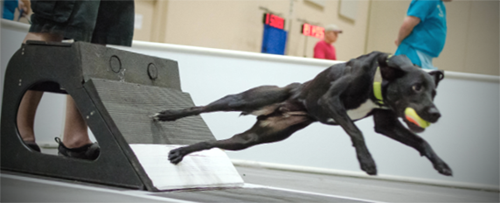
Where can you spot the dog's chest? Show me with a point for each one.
(362, 111)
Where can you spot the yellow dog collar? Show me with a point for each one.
(377, 87)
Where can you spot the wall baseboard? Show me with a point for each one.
(334, 172)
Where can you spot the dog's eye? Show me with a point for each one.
(417, 87)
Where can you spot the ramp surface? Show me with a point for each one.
(130, 106)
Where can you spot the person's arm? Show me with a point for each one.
(334, 53)
(25, 6)
(408, 24)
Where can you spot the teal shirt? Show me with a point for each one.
(429, 35)
(9, 8)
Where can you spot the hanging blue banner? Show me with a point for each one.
(274, 40)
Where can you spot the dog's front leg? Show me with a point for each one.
(336, 110)
(386, 123)
(176, 155)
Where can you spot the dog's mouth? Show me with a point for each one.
(414, 121)
(413, 127)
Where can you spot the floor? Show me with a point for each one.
(376, 190)
(262, 185)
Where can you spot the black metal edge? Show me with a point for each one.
(20, 158)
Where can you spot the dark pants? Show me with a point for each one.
(102, 22)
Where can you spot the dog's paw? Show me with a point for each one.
(175, 156)
(444, 169)
(368, 165)
(166, 115)
(369, 169)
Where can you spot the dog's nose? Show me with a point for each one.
(433, 114)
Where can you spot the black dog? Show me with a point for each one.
(373, 84)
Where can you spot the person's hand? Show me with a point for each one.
(397, 42)
(25, 7)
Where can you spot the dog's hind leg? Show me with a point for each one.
(270, 129)
(386, 123)
(248, 101)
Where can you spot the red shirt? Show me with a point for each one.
(323, 50)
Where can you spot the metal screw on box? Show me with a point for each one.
(152, 71)
(115, 64)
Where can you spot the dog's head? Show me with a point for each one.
(408, 86)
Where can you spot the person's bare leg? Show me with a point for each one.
(75, 128)
(41, 36)
(26, 114)
(31, 99)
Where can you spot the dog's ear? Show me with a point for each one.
(437, 75)
(366, 60)
(393, 67)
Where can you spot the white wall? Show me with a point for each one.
(472, 42)
(237, 25)
(466, 137)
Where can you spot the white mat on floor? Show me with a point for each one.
(208, 168)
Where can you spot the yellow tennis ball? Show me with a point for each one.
(412, 116)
